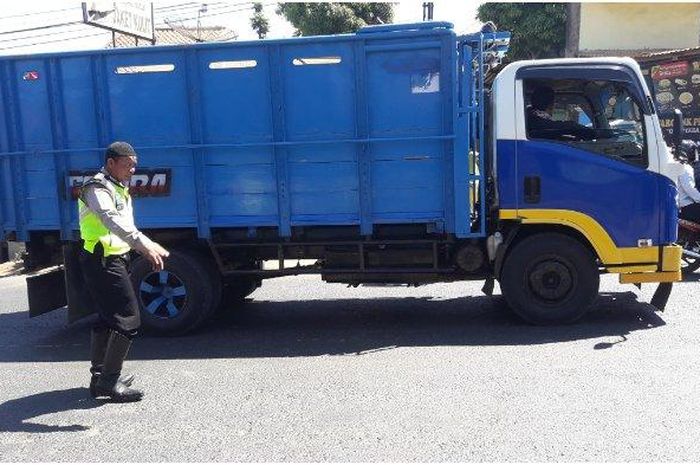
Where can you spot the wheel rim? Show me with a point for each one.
(551, 281)
(163, 294)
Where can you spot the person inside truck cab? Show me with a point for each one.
(541, 125)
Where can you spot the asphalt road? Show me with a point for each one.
(308, 371)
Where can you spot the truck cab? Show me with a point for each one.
(577, 144)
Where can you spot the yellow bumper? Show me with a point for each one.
(670, 269)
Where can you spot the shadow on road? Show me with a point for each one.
(342, 327)
(691, 277)
(14, 414)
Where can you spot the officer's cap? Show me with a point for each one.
(119, 149)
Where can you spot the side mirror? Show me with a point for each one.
(678, 129)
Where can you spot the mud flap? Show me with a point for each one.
(80, 303)
(661, 296)
(60, 287)
(46, 292)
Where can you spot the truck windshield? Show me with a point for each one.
(597, 116)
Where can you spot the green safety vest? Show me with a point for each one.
(92, 230)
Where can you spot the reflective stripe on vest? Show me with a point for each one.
(92, 230)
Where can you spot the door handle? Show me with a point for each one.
(532, 189)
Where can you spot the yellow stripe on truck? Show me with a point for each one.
(604, 246)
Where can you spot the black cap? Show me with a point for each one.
(119, 149)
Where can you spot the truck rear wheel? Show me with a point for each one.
(177, 299)
(550, 278)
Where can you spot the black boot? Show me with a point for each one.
(109, 383)
(98, 346)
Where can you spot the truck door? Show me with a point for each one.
(583, 150)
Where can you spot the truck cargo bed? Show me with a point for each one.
(358, 129)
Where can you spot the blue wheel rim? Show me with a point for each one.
(163, 294)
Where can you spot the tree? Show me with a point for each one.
(334, 18)
(259, 21)
(539, 29)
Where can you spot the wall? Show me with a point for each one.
(635, 26)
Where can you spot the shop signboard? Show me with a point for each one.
(676, 84)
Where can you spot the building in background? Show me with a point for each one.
(634, 29)
(174, 35)
(663, 37)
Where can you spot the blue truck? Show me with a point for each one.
(403, 153)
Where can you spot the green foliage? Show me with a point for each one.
(334, 18)
(539, 29)
(259, 21)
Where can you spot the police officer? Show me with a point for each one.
(109, 234)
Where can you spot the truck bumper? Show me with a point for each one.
(668, 271)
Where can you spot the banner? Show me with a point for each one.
(676, 84)
(133, 18)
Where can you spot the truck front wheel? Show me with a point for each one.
(550, 278)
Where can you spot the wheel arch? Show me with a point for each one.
(517, 232)
(584, 227)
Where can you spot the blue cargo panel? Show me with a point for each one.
(336, 130)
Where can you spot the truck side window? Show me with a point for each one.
(596, 116)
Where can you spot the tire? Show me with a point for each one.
(550, 279)
(689, 241)
(236, 290)
(187, 300)
(4, 252)
(214, 275)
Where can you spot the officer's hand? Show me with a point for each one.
(161, 250)
(154, 258)
(156, 255)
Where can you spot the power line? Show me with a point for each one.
(211, 11)
(219, 13)
(54, 41)
(42, 35)
(178, 5)
(49, 26)
(183, 6)
(39, 13)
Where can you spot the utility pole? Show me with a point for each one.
(573, 25)
(427, 11)
(202, 9)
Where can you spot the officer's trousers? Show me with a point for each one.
(109, 285)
